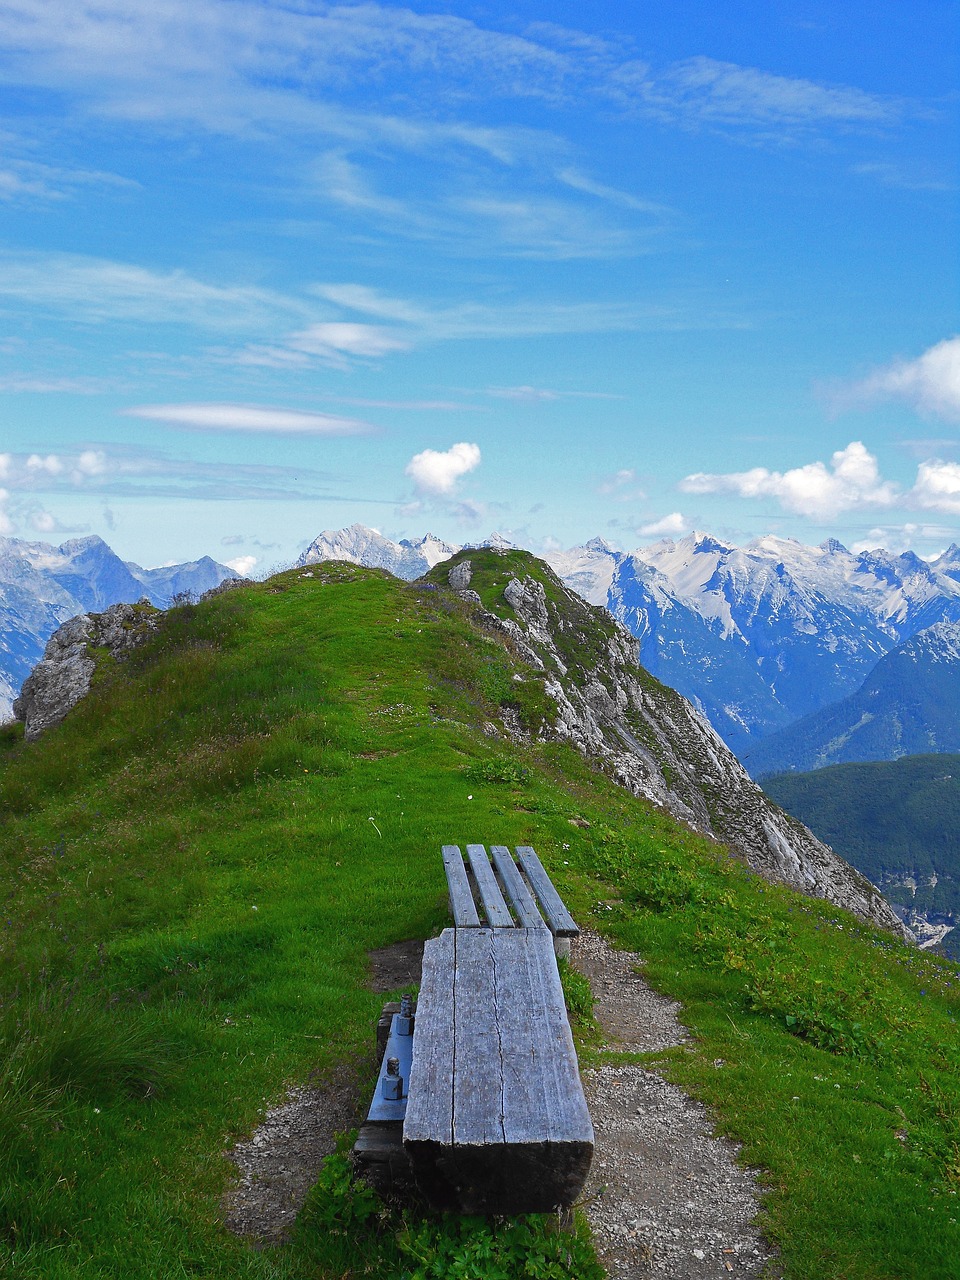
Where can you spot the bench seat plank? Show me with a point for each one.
(430, 1094)
(512, 1133)
(497, 912)
(559, 919)
(521, 899)
(461, 898)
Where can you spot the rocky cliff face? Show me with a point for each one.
(63, 675)
(651, 739)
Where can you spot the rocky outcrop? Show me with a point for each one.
(63, 675)
(656, 745)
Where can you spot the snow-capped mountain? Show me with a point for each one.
(908, 705)
(360, 545)
(813, 621)
(42, 585)
(407, 559)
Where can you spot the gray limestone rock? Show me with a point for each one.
(63, 675)
(460, 575)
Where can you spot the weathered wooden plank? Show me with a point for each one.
(430, 1098)
(558, 918)
(497, 912)
(521, 1136)
(478, 1053)
(461, 897)
(542, 1097)
(521, 899)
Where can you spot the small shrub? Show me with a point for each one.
(498, 770)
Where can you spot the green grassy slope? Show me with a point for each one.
(195, 863)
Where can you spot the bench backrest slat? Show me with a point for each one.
(521, 899)
(497, 911)
(558, 918)
(461, 899)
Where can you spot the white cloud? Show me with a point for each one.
(236, 66)
(51, 464)
(43, 522)
(242, 565)
(937, 487)
(930, 383)
(338, 339)
(667, 526)
(518, 320)
(98, 289)
(706, 90)
(248, 417)
(534, 394)
(904, 537)
(437, 473)
(851, 481)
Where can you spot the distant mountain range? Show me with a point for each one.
(908, 705)
(42, 585)
(757, 637)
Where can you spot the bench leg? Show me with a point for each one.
(561, 947)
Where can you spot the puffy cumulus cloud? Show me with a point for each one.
(437, 473)
(666, 527)
(43, 521)
(248, 417)
(931, 383)
(242, 565)
(937, 487)
(852, 480)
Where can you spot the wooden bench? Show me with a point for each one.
(492, 1116)
(496, 1119)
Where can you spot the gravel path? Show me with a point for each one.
(664, 1197)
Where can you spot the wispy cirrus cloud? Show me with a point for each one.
(28, 180)
(95, 290)
(236, 65)
(704, 90)
(128, 471)
(249, 418)
(537, 395)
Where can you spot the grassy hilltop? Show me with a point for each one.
(196, 861)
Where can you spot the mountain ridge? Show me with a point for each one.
(756, 636)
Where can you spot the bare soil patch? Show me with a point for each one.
(280, 1161)
(397, 967)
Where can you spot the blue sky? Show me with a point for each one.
(554, 269)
